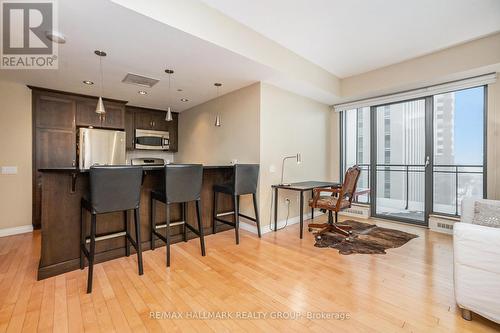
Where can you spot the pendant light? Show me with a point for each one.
(100, 105)
(217, 117)
(168, 116)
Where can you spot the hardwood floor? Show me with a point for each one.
(409, 289)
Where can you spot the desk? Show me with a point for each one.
(300, 187)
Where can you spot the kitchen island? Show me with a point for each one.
(62, 190)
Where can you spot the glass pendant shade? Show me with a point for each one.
(168, 116)
(100, 107)
(217, 121)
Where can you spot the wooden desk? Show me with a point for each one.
(301, 187)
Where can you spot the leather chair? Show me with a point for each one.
(244, 181)
(112, 189)
(340, 199)
(182, 184)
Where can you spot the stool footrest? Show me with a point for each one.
(172, 224)
(107, 236)
(224, 214)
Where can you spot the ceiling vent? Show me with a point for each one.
(140, 80)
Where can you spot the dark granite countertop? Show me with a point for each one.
(145, 168)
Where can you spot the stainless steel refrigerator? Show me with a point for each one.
(100, 147)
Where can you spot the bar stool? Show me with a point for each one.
(112, 189)
(182, 185)
(244, 181)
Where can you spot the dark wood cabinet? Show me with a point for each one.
(143, 119)
(54, 111)
(86, 116)
(55, 148)
(151, 120)
(54, 138)
(159, 122)
(129, 129)
(85, 113)
(115, 116)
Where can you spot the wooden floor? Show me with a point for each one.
(410, 289)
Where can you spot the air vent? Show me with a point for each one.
(357, 211)
(140, 80)
(442, 224)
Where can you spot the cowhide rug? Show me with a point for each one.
(366, 239)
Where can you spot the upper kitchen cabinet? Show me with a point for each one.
(129, 129)
(150, 120)
(54, 111)
(113, 118)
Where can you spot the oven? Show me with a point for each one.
(151, 140)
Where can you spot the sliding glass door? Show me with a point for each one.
(401, 158)
(418, 157)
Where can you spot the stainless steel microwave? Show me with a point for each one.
(151, 140)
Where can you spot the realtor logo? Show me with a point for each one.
(24, 42)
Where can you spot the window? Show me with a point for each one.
(356, 145)
(446, 130)
(458, 148)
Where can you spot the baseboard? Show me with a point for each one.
(267, 228)
(16, 230)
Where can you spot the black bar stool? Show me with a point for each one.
(182, 185)
(112, 189)
(245, 177)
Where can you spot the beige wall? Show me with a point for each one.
(238, 137)
(290, 124)
(477, 57)
(15, 150)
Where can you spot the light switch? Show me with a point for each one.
(9, 170)
(272, 169)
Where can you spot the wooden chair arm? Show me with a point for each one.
(317, 192)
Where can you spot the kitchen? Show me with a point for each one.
(69, 138)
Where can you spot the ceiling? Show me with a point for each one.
(140, 45)
(333, 34)
(351, 37)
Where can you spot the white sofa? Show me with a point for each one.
(476, 265)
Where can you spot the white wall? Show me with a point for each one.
(291, 124)
(15, 150)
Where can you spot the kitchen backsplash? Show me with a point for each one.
(167, 156)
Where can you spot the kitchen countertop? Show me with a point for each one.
(144, 167)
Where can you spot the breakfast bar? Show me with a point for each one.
(62, 190)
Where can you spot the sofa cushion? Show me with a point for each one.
(486, 214)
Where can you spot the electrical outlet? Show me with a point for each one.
(9, 170)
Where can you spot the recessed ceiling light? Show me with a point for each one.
(179, 89)
(55, 36)
(142, 92)
(88, 82)
(184, 100)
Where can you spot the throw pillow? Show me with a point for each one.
(486, 214)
